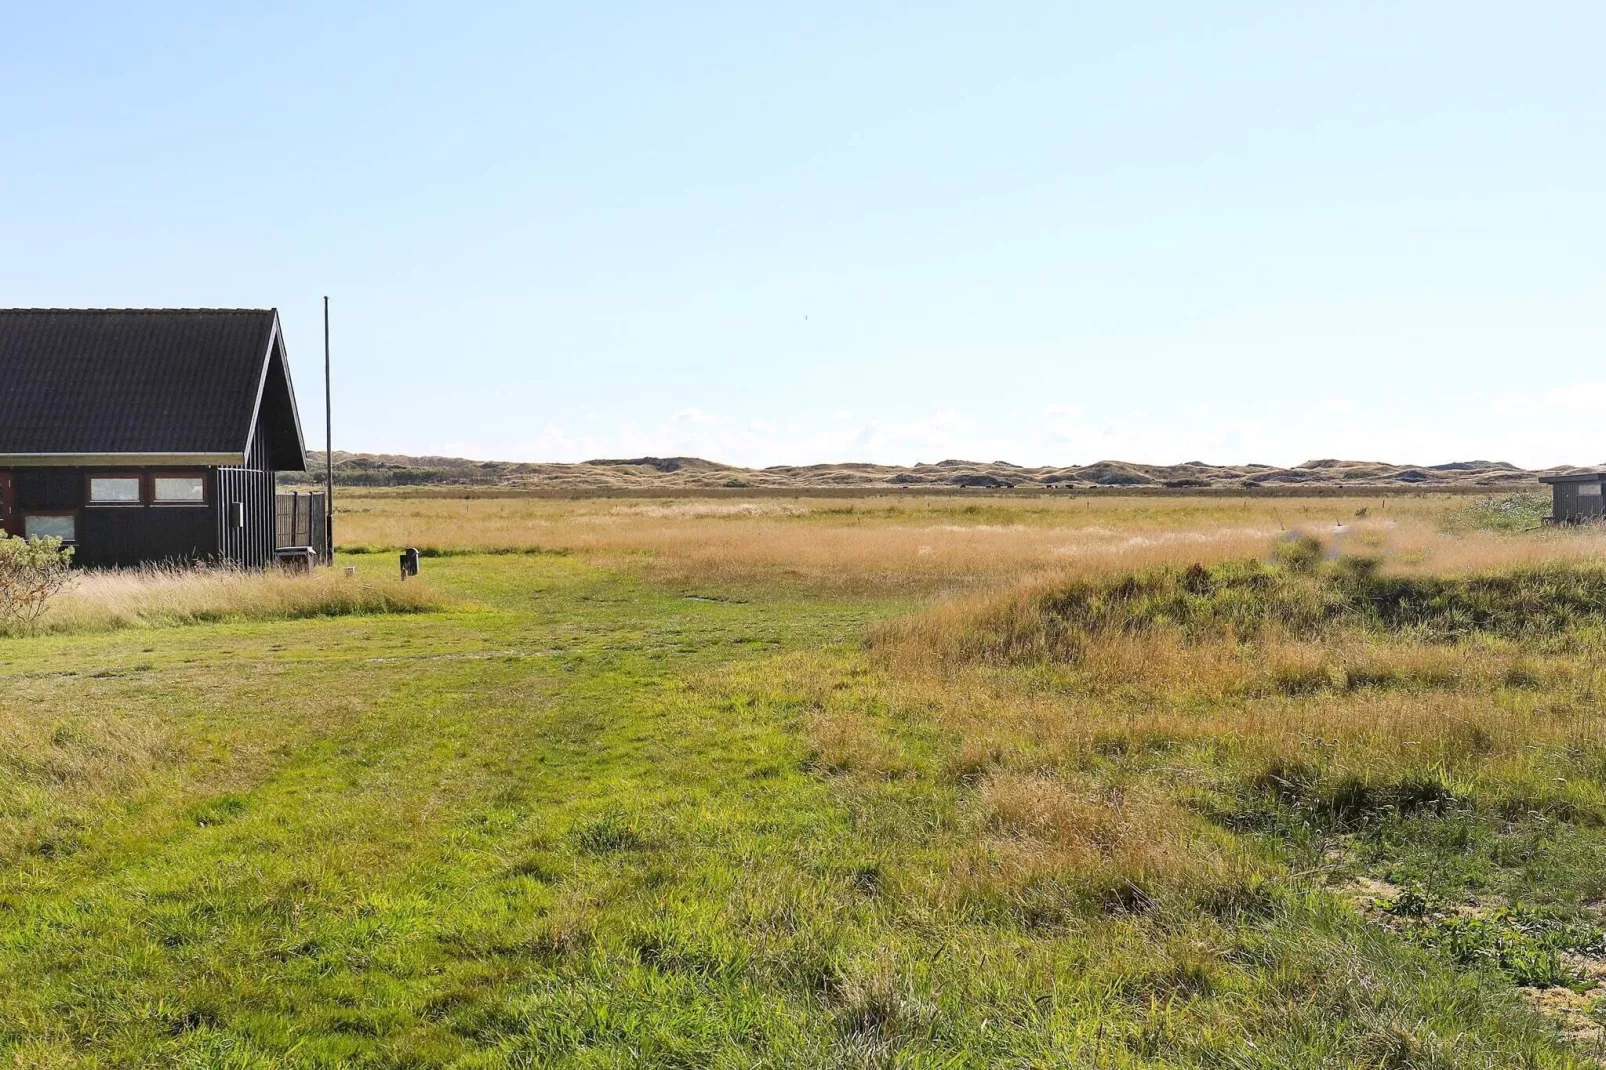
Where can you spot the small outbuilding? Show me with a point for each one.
(1576, 497)
(146, 435)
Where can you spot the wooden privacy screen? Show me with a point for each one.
(300, 521)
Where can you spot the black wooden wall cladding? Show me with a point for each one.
(122, 537)
(246, 534)
(49, 488)
(244, 514)
(236, 525)
(111, 536)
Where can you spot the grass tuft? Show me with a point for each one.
(611, 832)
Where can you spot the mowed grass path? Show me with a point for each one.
(348, 839)
(579, 822)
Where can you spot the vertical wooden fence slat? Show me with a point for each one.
(299, 521)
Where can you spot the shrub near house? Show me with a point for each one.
(32, 572)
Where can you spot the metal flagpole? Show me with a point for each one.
(328, 447)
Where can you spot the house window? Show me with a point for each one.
(63, 526)
(179, 490)
(1589, 490)
(114, 490)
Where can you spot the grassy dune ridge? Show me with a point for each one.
(693, 475)
(1055, 617)
(1140, 785)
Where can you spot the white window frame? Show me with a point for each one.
(191, 503)
(69, 516)
(121, 477)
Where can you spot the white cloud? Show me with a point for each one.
(1578, 397)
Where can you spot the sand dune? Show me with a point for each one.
(685, 473)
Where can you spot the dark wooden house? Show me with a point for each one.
(1576, 497)
(146, 435)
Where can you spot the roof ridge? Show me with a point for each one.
(143, 311)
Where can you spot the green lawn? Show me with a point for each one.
(580, 820)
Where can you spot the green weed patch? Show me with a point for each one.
(1509, 513)
(1518, 943)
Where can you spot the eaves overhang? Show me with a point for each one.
(1574, 477)
(113, 460)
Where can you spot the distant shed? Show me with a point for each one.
(1576, 497)
(146, 435)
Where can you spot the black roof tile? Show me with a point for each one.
(86, 381)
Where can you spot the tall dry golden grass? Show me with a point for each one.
(920, 545)
(166, 596)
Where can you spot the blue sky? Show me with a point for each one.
(1032, 231)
